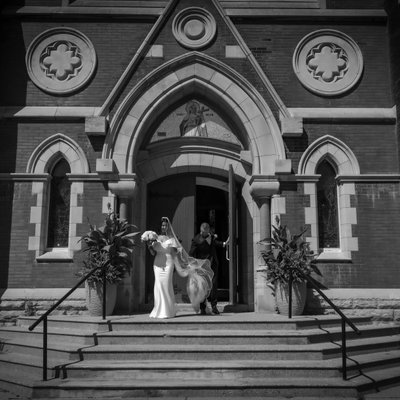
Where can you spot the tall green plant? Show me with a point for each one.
(109, 247)
(289, 255)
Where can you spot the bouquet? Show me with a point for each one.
(149, 236)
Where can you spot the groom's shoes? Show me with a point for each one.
(203, 311)
(214, 310)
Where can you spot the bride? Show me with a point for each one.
(169, 256)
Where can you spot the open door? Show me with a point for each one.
(232, 251)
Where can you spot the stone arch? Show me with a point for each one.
(329, 147)
(42, 160)
(195, 73)
(51, 149)
(345, 162)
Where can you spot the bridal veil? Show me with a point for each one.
(198, 272)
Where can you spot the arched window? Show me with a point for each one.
(327, 200)
(59, 209)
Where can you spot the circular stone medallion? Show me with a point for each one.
(194, 27)
(328, 62)
(60, 60)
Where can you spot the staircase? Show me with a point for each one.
(241, 355)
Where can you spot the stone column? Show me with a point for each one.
(125, 189)
(124, 208)
(261, 189)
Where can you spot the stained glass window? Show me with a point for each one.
(328, 223)
(60, 193)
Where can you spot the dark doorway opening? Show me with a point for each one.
(187, 204)
(212, 207)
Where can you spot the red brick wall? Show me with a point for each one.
(24, 270)
(372, 144)
(32, 132)
(377, 230)
(276, 43)
(273, 43)
(113, 55)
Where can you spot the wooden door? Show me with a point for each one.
(232, 251)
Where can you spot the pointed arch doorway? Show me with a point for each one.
(142, 153)
(188, 200)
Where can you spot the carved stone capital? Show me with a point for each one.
(263, 187)
(125, 187)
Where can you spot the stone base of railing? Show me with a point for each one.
(34, 302)
(383, 305)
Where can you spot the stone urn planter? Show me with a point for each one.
(299, 295)
(109, 250)
(288, 257)
(94, 298)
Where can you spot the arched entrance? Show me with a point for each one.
(248, 162)
(188, 200)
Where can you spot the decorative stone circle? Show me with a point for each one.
(60, 60)
(194, 27)
(328, 62)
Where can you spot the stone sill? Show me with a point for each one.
(55, 256)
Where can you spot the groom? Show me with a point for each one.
(203, 247)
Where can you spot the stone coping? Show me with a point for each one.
(363, 293)
(79, 294)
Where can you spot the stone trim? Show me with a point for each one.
(42, 159)
(54, 147)
(138, 56)
(368, 114)
(253, 61)
(248, 11)
(314, 15)
(202, 73)
(48, 112)
(338, 151)
(346, 162)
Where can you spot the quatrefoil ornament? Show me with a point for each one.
(61, 60)
(328, 62)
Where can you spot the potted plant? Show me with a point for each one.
(289, 257)
(110, 248)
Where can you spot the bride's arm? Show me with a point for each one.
(151, 249)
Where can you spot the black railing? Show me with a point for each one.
(52, 308)
(337, 310)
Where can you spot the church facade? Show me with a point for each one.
(228, 112)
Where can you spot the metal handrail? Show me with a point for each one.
(344, 319)
(44, 316)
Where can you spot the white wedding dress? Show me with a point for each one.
(164, 298)
(170, 256)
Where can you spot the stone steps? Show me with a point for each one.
(203, 388)
(135, 356)
(140, 322)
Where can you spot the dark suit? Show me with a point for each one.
(202, 250)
